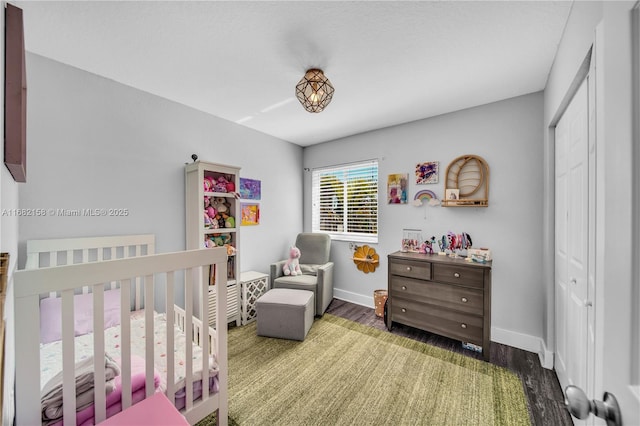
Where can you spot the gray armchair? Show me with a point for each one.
(317, 270)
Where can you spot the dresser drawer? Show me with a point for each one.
(455, 274)
(407, 268)
(436, 319)
(462, 299)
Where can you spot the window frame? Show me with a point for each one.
(350, 171)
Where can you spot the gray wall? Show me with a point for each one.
(508, 135)
(95, 143)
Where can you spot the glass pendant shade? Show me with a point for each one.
(314, 91)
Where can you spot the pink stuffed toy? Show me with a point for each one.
(207, 220)
(211, 214)
(221, 185)
(292, 265)
(208, 184)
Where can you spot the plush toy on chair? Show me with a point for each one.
(315, 273)
(292, 266)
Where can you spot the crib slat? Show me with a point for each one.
(138, 284)
(85, 256)
(170, 337)
(98, 353)
(125, 337)
(53, 261)
(188, 331)
(148, 332)
(204, 331)
(68, 359)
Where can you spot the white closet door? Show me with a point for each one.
(572, 241)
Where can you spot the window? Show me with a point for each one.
(345, 201)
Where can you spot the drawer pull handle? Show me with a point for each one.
(465, 300)
(457, 275)
(404, 287)
(463, 325)
(408, 268)
(404, 310)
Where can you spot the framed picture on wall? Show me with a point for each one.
(427, 172)
(250, 189)
(452, 194)
(397, 188)
(250, 214)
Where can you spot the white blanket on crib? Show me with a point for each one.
(51, 353)
(51, 393)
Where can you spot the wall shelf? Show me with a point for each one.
(469, 175)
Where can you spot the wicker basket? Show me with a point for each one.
(379, 299)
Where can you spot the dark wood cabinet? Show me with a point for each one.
(450, 297)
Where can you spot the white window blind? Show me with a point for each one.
(345, 201)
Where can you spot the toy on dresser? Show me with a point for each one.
(455, 244)
(427, 246)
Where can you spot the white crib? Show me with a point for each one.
(67, 268)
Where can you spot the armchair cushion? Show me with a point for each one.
(309, 269)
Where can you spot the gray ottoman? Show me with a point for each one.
(285, 313)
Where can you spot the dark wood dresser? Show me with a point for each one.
(442, 295)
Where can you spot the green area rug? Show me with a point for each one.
(345, 373)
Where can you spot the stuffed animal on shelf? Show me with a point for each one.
(231, 187)
(208, 243)
(230, 222)
(211, 212)
(208, 184)
(207, 201)
(221, 184)
(220, 204)
(207, 220)
(292, 265)
(220, 219)
(231, 250)
(221, 239)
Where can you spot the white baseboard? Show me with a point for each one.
(356, 298)
(506, 337)
(525, 342)
(546, 356)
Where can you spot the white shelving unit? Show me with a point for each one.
(198, 233)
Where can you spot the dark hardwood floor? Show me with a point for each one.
(541, 386)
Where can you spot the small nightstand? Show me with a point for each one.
(253, 285)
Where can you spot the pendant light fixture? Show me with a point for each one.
(314, 91)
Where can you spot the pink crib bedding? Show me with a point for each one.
(51, 363)
(114, 399)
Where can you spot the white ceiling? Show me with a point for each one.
(390, 62)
